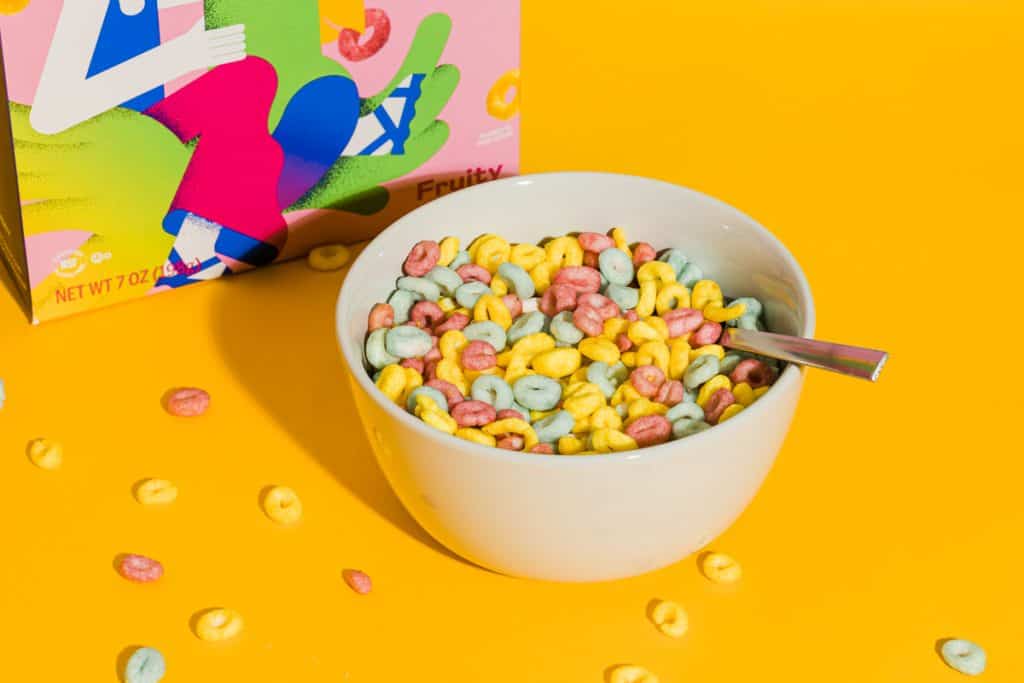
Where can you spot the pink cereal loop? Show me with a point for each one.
(434, 353)
(381, 315)
(544, 448)
(187, 402)
(582, 279)
(649, 430)
(588, 320)
(358, 581)
(473, 413)
(430, 369)
(456, 321)
(414, 363)
(682, 321)
(595, 242)
(511, 442)
(716, 405)
(510, 412)
(590, 259)
(707, 333)
(139, 568)
(421, 258)
(557, 298)
(647, 379)
(623, 342)
(752, 371)
(602, 304)
(426, 314)
(450, 391)
(471, 271)
(631, 315)
(670, 393)
(514, 305)
(479, 355)
(642, 253)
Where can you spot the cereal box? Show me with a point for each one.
(157, 144)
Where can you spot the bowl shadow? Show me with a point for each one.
(275, 331)
(122, 661)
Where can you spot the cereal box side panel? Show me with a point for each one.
(12, 238)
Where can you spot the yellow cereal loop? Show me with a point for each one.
(581, 374)
(532, 344)
(641, 331)
(451, 344)
(648, 297)
(628, 359)
(631, 674)
(570, 445)
(611, 440)
(653, 353)
(625, 393)
(446, 304)
(564, 251)
(282, 505)
(439, 420)
(425, 403)
(413, 379)
(219, 624)
(45, 454)
(606, 418)
(541, 414)
(642, 407)
(659, 325)
(474, 246)
(512, 425)
(499, 286)
(476, 436)
(504, 358)
(541, 275)
(711, 386)
(716, 313)
(743, 393)
(156, 492)
(656, 271)
(720, 568)
(449, 371)
(705, 292)
(760, 391)
(392, 381)
(471, 375)
(518, 367)
(557, 363)
(618, 236)
(449, 248)
(600, 349)
(670, 618)
(730, 412)
(581, 426)
(329, 257)
(678, 358)
(613, 327)
(527, 256)
(464, 311)
(671, 297)
(490, 307)
(708, 350)
(582, 399)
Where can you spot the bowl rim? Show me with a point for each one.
(792, 375)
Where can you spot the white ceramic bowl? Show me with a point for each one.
(597, 517)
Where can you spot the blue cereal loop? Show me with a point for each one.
(624, 297)
(406, 341)
(518, 279)
(468, 293)
(402, 301)
(700, 370)
(526, 324)
(537, 392)
(564, 330)
(964, 656)
(439, 399)
(488, 331)
(376, 349)
(676, 259)
(445, 278)
(554, 427)
(685, 427)
(690, 275)
(684, 410)
(146, 665)
(492, 390)
(461, 259)
(616, 266)
(420, 285)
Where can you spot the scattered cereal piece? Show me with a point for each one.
(629, 673)
(670, 618)
(329, 257)
(964, 656)
(139, 568)
(146, 665)
(219, 624)
(720, 568)
(155, 492)
(282, 505)
(187, 402)
(45, 453)
(376, 34)
(357, 581)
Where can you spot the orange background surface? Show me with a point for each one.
(880, 140)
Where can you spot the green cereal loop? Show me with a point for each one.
(492, 390)
(730, 361)
(445, 278)
(685, 427)
(537, 392)
(676, 259)
(554, 427)
(433, 393)
(690, 275)
(376, 375)
(461, 259)
(406, 341)
(488, 331)
(598, 373)
(624, 297)
(146, 665)
(468, 293)
(376, 350)
(616, 266)
(521, 410)
(700, 370)
(564, 330)
(689, 395)
(619, 373)
(689, 411)
(964, 656)
(402, 301)
(518, 279)
(526, 324)
(604, 282)
(422, 286)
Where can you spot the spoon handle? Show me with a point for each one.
(847, 360)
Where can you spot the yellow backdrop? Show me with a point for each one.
(880, 139)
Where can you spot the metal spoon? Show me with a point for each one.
(847, 360)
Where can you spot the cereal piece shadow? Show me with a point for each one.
(122, 661)
(610, 670)
(116, 562)
(938, 651)
(649, 610)
(275, 330)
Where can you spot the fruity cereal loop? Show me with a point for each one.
(584, 344)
